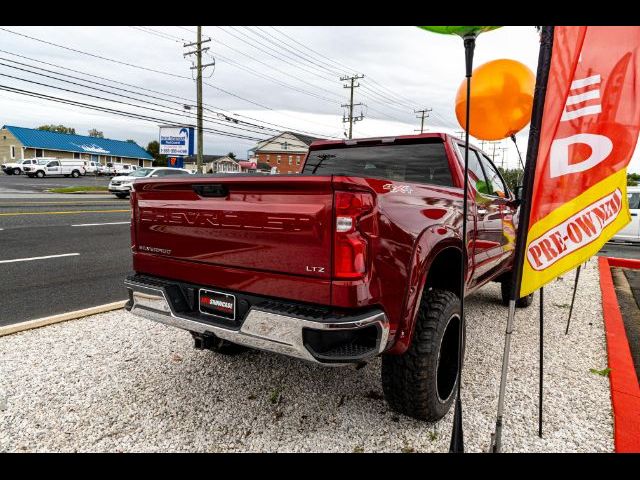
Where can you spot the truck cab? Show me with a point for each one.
(16, 168)
(56, 168)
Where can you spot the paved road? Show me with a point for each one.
(85, 240)
(22, 183)
(620, 250)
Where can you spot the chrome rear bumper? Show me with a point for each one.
(261, 329)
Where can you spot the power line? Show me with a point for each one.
(339, 66)
(94, 55)
(122, 112)
(287, 74)
(56, 76)
(372, 94)
(267, 77)
(280, 58)
(392, 99)
(151, 90)
(158, 34)
(380, 98)
(146, 107)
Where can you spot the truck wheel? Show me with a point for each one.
(505, 290)
(121, 195)
(39, 174)
(421, 383)
(16, 171)
(75, 174)
(217, 344)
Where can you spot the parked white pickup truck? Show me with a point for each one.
(62, 167)
(16, 168)
(93, 167)
(113, 169)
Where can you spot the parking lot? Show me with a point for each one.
(84, 239)
(24, 184)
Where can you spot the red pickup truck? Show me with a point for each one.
(357, 256)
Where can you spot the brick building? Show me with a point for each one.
(285, 151)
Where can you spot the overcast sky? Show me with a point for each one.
(291, 74)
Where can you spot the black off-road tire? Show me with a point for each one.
(219, 345)
(421, 383)
(17, 171)
(505, 290)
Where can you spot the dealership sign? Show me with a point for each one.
(589, 129)
(176, 141)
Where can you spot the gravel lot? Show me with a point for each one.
(113, 382)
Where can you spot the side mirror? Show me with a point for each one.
(518, 194)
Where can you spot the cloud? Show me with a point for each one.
(404, 68)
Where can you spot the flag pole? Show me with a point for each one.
(544, 62)
(457, 436)
(541, 372)
(573, 298)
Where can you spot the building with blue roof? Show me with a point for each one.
(17, 143)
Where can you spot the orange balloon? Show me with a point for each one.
(501, 99)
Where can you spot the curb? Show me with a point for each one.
(63, 317)
(625, 391)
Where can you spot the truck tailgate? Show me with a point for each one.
(275, 224)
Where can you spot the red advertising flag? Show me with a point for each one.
(589, 130)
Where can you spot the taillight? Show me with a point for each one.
(350, 245)
(133, 202)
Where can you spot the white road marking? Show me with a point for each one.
(39, 258)
(94, 224)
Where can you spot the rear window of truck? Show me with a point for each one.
(419, 163)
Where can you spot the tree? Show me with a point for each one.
(154, 150)
(231, 155)
(513, 177)
(58, 128)
(96, 133)
(633, 179)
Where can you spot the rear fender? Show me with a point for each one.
(431, 242)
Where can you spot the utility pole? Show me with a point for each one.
(423, 114)
(504, 149)
(351, 119)
(199, 67)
